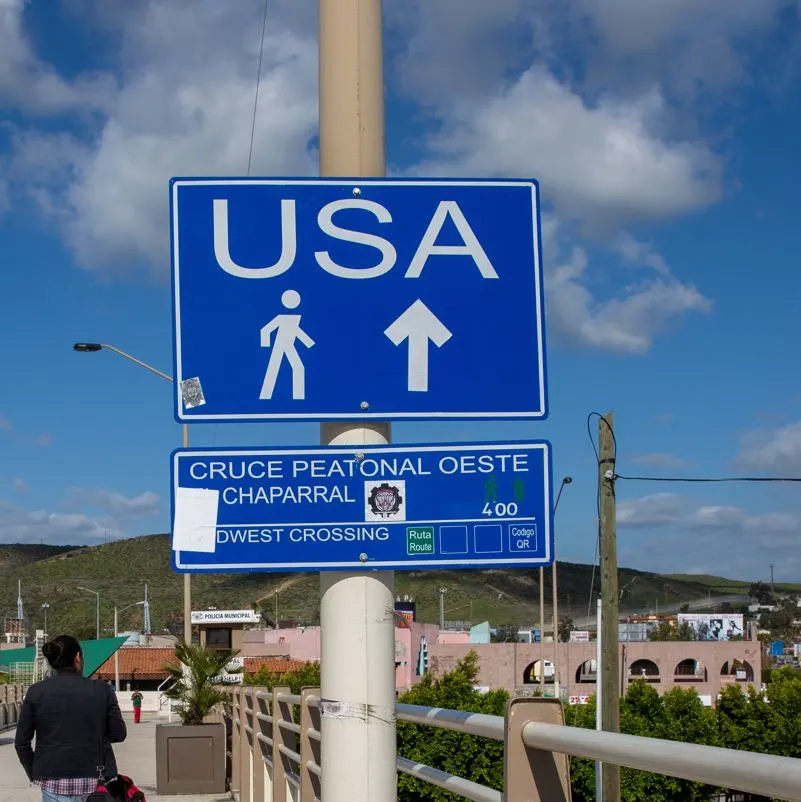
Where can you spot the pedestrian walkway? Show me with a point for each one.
(135, 757)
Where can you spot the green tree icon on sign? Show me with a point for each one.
(519, 490)
(491, 489)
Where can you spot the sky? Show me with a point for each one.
(665, 140)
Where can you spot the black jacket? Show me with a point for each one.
(73, 718)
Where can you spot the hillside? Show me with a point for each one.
(119, 571)
(13, 555)
(723, 585)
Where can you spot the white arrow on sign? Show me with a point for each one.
(418, 324)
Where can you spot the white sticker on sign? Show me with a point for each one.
(385, 501)
(195, 524)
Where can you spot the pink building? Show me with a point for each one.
(303, 643)
(515, 667)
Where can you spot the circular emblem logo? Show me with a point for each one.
(385, 500)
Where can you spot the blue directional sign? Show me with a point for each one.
(351, 299)
(383, 507)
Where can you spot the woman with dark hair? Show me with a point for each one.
(75, 721)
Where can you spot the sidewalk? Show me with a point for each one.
(135, 757)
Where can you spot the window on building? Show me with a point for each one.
(218, 638)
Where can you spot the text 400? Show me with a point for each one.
(500, 509)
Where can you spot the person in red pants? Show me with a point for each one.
(136, 698)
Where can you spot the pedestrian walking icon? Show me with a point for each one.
(287, 332)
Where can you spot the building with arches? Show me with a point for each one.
(707, 666)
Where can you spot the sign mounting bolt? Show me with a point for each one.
(357, 191)
(363, 557)
(365, 405)
(359, 456)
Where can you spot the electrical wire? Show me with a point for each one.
(675, 479)
(709, 478)
(252, 135)
(258, 84)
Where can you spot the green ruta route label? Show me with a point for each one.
(419, 540)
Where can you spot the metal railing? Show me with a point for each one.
(276, 744)
(11, 697)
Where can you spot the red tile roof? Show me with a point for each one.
(139, 662)
(273, 665)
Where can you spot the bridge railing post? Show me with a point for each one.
(258, 766)
(534, 775)
(281, 711)
(247, 744)
(236, 741)
(309, 746)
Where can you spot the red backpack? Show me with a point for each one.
(122, 788)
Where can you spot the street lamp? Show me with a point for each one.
(45, 607)
(117, 611)
(91, 348)
(565, 481)
(97, 600)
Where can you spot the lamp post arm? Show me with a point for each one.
(139, 362)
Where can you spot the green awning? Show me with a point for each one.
(95, 653)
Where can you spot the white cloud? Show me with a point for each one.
(602, 162)
(184, 108)
(719, 539)
(693, 47)
(628, 321)
(90, 515)
(659, 509)
(32, 526)
(772, 450)
(121, 507)
(672, 509)
(659, 459)
(32, 84)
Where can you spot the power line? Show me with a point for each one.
(258, 84)
(709, 478)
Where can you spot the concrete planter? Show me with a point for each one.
(190, 759)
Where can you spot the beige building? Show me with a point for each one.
(223, 629)
(707, 666)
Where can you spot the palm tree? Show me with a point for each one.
(197, 680)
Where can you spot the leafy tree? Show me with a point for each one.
(665, 630)
(780, 621)
(506, 633)
(308, 676)
(678, 715)
(566, 626)
(760, 592)
(196, 680)
(469, 756)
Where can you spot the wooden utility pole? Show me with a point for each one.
(610, 664)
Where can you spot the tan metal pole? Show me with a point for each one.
(358, 749)
(542, 630)
(187, 577)
(555, 633)
(352, 137)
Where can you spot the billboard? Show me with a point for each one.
(714, 626)
(406, 608)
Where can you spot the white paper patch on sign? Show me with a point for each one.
(385, 501)
(195, 524)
